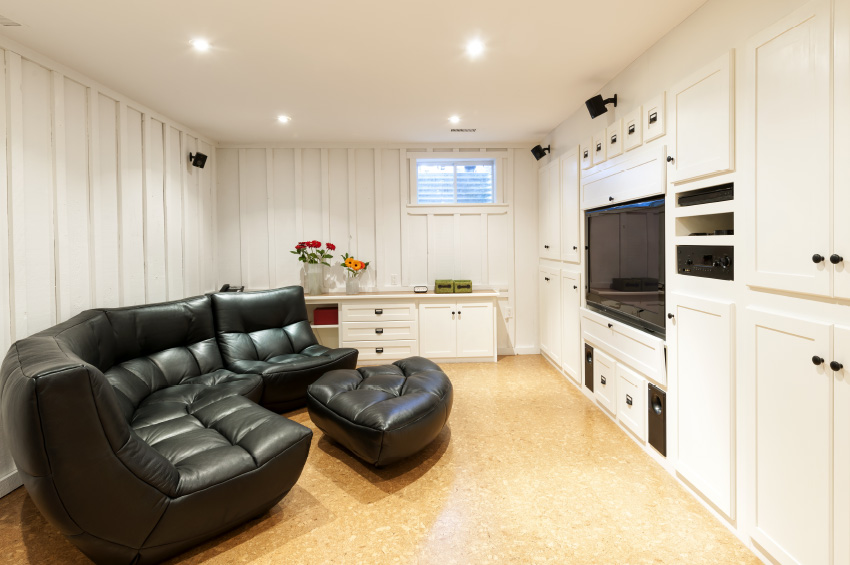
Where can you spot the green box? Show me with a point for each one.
(463, 286)
(443, 286)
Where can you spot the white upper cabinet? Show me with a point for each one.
(632, 129)
(841, 133)
(614, 137)
(703, 119)
(549, 199)
(599, 149)
(570, 208)
(586, 154)
(786, 89)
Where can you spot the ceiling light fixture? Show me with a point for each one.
(474, 48)
(200, 44)
(283, 119)
(455, 119)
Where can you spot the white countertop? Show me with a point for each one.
(404, 294)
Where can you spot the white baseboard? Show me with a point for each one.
(527, 350)
(506, 351)
(9, 483)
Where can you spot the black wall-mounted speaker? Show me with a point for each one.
(657, 407)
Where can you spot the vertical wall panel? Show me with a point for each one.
(311, 193)
(389, 217)
(104, 205)
(340, 208)
(157, 281)
(227, 217)
(254, 217)
(364, 206)
(32, 201)
(5, 299)
(191, 221)
(470, 249)
(286, 264)
(206, 225)
(499, 235)
(132, 210)
(73, 210)
(174, 213)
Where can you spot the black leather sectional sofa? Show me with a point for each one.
(142, 431)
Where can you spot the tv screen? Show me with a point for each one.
(625, 263)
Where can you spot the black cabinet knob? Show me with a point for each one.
(610, 325)
(817, 258)
(817, 360)
(610, 199)
(670, 316)
(575, 287)
(575, 248)
(544, 278)
(835, 365)
(835, 258)
(669, 158)
(453, 312)
(545, 247)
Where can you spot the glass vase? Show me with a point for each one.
(352, 285)
(312, 278)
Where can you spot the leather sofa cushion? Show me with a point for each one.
(211, 433)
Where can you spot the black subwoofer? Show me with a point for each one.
(588, 366)
(657, 406)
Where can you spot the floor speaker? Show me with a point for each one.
(658, 419)
(588, 366)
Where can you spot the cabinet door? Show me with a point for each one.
(794, 420)
(543, 242)
(544, 312)
(475, 329)
(841, 133)
(553, 212)
(702, 106)
(571, 349)
(438, 330)
(786, 86)
(605, 380)
(570, 237)
(631, 400)
(550, 313)
(701, 337)
(841, 407)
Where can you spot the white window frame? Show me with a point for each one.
(457, 158)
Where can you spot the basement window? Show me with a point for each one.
(459, 181)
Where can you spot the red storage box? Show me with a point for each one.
(325, 317)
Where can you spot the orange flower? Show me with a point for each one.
(357, 265)
(350, 262)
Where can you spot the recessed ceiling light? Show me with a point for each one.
(474, 48)
(455, 119)
(200, 44)
(283, 119)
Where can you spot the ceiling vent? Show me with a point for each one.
(464, 130)
(6, 22)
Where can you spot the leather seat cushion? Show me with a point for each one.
(211, 433)
(249, 386)
(382, 413)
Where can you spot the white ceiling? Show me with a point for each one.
(350, 70)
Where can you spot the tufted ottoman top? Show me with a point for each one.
(402, 406)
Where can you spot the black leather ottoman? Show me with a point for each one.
(383, 413)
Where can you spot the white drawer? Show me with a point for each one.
(605, 381)
(378, 312)
(614, 139)
(636, 348)
(631, 400)
(379, 331)
(377, 350)
(599, 148)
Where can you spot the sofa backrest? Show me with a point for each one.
(159, 345)
(260, 325)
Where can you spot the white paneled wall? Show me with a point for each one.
(98, 203)
(358, 199)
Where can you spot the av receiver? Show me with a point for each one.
(708, 261)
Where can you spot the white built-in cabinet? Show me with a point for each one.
(605, 380)
(569, 220)
(550, 313)
(801, 440)
(786, 74)
(456, 329)
(549, 200)
(571, 352)
(700, 340)
(702, 108)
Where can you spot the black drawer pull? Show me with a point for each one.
(379, 311)
(379, 350)
(586, 153)
(603, 380)
(631, 129)
(610, 199)
(379, 330)
(653, 117)
(610, 325)
(599, 146)
(629, 400)
(613, 139)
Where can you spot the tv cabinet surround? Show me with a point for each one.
(393, 325)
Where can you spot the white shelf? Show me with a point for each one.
(325, 326)
(705, 240)
(725, 207)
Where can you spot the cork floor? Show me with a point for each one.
(527, 471)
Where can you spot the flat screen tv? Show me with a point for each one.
(625, 263)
